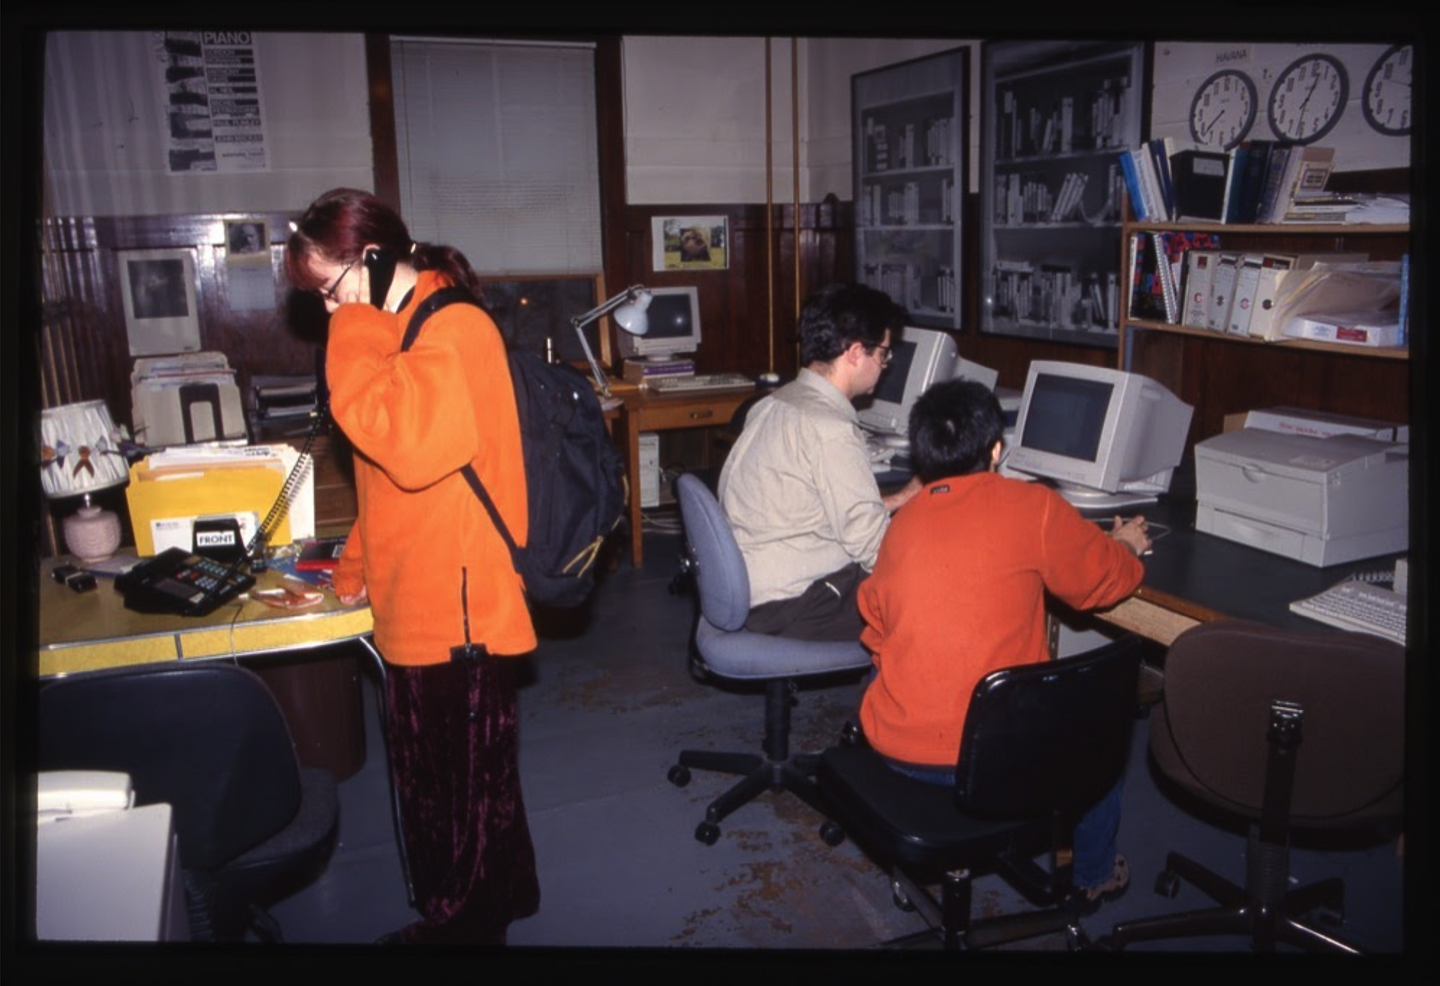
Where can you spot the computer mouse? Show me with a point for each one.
(768, 379)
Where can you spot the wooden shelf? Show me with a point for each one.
(1371, 352)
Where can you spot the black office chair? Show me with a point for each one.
(730, 651)
(1042, 743)
(1292, 731)
(209, 740)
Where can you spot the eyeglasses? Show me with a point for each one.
(885, 354)
(329, 293)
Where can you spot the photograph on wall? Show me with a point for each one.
(158, 287)
(690, 242)
(247, 243)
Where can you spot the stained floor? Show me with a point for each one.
(608, 703)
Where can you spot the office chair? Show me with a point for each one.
(1042, 743)
(730, 651)
(209, 740)
(1292, 731)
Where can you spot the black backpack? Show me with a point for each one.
(574, 478)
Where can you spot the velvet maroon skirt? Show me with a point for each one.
(453, 732)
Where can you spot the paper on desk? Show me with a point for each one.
(188, 459)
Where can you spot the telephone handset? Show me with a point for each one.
(381, 265)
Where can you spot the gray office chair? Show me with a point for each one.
(1042, 743)
(210, 741)
(732, 652)
(1291, 731)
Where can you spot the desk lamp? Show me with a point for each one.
(628, 308)
(80, 454)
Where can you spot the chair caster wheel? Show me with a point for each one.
(1167, 884)
(831, 834)
(679, 775)
(708, 833)
(900, 898)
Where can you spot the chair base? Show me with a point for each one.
(757, 775)
(951, 925)
(1239, 913)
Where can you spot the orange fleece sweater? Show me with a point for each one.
(959, 591)
(415, 419)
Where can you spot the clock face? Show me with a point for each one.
(1223, 110)
(1387, 91)
(1308, 98)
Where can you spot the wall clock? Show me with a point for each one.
(1223, 110)
(1308, 98)
(1387, 91)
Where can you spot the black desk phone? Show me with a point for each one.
(179, 581)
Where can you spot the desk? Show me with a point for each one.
(93, 630)
(1193, 578)
(642, 410)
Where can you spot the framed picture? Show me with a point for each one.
(158, 287)
(247, 243)
(690, 242)
(534, 313)
(1056, 115)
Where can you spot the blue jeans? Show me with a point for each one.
(1094, 842)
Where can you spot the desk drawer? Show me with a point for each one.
(689, 414)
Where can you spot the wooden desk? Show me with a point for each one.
(642, 410)
(93, 630)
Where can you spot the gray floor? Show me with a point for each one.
(603, 716)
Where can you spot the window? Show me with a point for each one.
(497, 151)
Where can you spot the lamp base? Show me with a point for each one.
(92, 534)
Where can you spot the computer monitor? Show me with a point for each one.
(674, 317)
(920, 358)
(1107, 437)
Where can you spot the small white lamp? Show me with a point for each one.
(80, 454)
(628, 308)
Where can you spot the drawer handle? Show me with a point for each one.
(705, 412)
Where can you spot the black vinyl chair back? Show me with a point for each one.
(1048, 736)
(208, 740)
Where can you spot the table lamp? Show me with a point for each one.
(628, 310)
(80, 454)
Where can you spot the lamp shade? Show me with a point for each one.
(631, 316)
(79, 450)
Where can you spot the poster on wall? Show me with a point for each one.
(690, 242)
(158, 287)
(213, 104)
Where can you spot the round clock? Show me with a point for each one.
(1223, 110)
(1308, 98)
(1387, 91)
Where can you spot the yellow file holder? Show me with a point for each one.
(160, 497)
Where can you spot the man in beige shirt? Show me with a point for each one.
(798, 488)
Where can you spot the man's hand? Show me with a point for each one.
(900, 497)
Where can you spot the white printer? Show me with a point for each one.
(1322, 501)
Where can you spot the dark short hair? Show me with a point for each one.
(839, 315)
(953, 427)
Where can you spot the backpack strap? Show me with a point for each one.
(436, 301)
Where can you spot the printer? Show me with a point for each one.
(1321, 501)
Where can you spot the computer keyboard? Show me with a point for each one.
(699, 381)
(1358, 606)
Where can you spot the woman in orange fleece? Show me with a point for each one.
(436, 573)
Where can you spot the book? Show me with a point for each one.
(1175, 245)
(1199, 274)
(1368, 328)
(1199, 179)
(1160, 148)
(1147, 291)
(1270, 193)
(319, 554)
(1132, 185)
(1307, 171)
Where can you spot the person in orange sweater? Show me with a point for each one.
(425, 556)
(958, 591)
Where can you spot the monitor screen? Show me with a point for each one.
(674, 326)
(919, 359)
(1109, 438)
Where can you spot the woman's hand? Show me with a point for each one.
(353, 598)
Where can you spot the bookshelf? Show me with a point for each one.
(1224, 374)
(1057, 117)
(911, 124)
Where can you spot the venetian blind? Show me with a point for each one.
(497, 152)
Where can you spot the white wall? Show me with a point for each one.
(106, 128)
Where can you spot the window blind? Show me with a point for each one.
(497, 152)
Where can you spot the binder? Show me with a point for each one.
(1199, 179)
(1199, 281)
(1247, 278)
(1223, 285)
